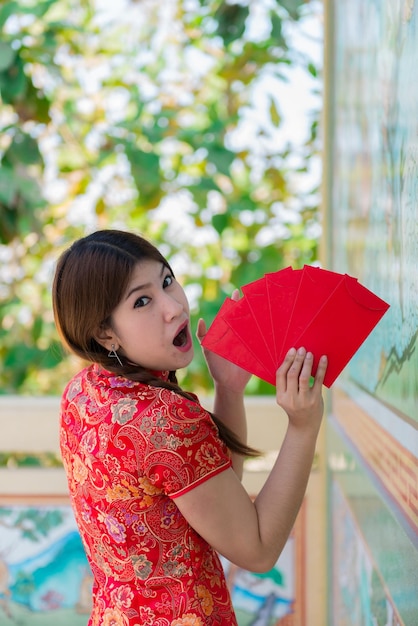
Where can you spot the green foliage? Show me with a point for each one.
(26, 459)
(132, 122)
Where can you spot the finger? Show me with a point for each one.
(281, 374)
(235, 295)
(296, 368)
(201, 329)
(305, 373)
(321, 371)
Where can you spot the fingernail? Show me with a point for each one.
(292, 352)
(324, 358)
(309, 355)
(301, 351)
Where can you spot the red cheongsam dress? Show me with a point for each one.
(129, 450)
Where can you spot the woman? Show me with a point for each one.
(154, 478)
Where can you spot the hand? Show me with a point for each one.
(303, 403)
(224, 373)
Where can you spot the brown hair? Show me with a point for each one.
(90, 280)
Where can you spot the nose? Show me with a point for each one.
(172, 307)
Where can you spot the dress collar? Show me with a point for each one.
(102, 371)
(163, 374)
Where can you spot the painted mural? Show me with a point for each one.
(375, 184)
(374, 564)
(45, 579)
(373, 214)
(44, 575)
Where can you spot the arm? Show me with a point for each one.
(230, 382)
(252, 534)
(229, 407)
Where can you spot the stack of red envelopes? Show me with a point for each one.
(322, 311)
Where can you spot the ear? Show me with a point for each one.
(106, 337)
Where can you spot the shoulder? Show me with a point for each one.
(182, 409)
(74, 387)
(98, 383)
(97, 395)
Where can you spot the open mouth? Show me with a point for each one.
(181, 339)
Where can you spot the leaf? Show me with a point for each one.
(100, 207)
(231, 21)
(220, 222)
(292, 7)
(244, 203)
(312, 69)
(37, 328)
(145, 168)
(7, 185)
(200, 191)
(51, 357)
(220, 157)
(19, 197)
(30, 191)
(208, 184)
(35, 105)
(274, 113)
(23, 150)
(7, 55)
(8, 224)
(19, 356)
(13, 82)
(276, 29)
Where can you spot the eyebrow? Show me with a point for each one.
(145, 285)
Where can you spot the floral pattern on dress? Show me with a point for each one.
(128, 450)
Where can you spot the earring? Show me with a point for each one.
(114, 355)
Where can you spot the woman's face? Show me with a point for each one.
(150, 326)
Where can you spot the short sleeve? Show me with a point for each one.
(183, 446)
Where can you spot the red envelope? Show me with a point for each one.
(257, 297)
(222, 340)
(315, 287)
(243, 323)
(282, 288)
(325, 312)
(341, 326)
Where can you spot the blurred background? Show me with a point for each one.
(194, 123)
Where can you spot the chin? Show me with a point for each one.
(187, 359)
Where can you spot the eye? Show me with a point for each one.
(142, 301)
(168, 280)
